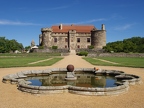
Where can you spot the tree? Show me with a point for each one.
(9, 45)
(27, 48)
(134, 44)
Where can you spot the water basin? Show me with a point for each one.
(83, 80)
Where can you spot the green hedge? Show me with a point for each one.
(54, 47)
(82, 53)
(91, 47)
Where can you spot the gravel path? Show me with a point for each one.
(106, 61)
(40, 61)
(10, 97)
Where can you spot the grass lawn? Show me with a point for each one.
(23, 60)
(123, 61)
(29, 54)
(48, 63)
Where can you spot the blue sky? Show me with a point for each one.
(22, 20)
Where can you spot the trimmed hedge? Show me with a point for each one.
(82, 53)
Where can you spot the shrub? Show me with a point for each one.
(83, 53)
(91, 47)
(54, 47)
(41, 47)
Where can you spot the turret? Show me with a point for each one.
(46, 36)
(46, 30)
(98, 38)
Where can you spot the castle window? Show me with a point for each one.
(66, 40)
(78, 46)
(78, 39)
(78, 76)
(88, 76)
(55, 39)
(65, 46)
(88, 40)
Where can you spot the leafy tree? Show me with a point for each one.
(27, 48)
(134, 44)
(9, 45)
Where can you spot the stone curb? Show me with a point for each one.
(23, 85)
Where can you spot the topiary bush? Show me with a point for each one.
(83, 53)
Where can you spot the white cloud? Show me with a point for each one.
(124, 27)
(45, 9)
(8, 22)
(116, 17)
(88, 21)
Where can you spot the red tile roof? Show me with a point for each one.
(78, 28)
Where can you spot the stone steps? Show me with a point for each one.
(72, 52)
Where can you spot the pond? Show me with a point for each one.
(83, 80)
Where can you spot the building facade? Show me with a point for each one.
(73, 37)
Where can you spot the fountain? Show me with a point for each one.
(85, 81)
(70, 73)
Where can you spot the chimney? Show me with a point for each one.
(103, 27)
(60, 27)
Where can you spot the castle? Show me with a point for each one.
(73, 37)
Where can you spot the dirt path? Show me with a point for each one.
(77, 61)
(40, 61)
(10, 97)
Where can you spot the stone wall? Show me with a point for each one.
(91, 51)
(116, 55)
(51, 50)
(83, 42)
(61, 43)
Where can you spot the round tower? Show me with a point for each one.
(98, 38)
(46, 37)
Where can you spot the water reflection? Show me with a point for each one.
(83, 80)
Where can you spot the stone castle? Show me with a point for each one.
(73, 37)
